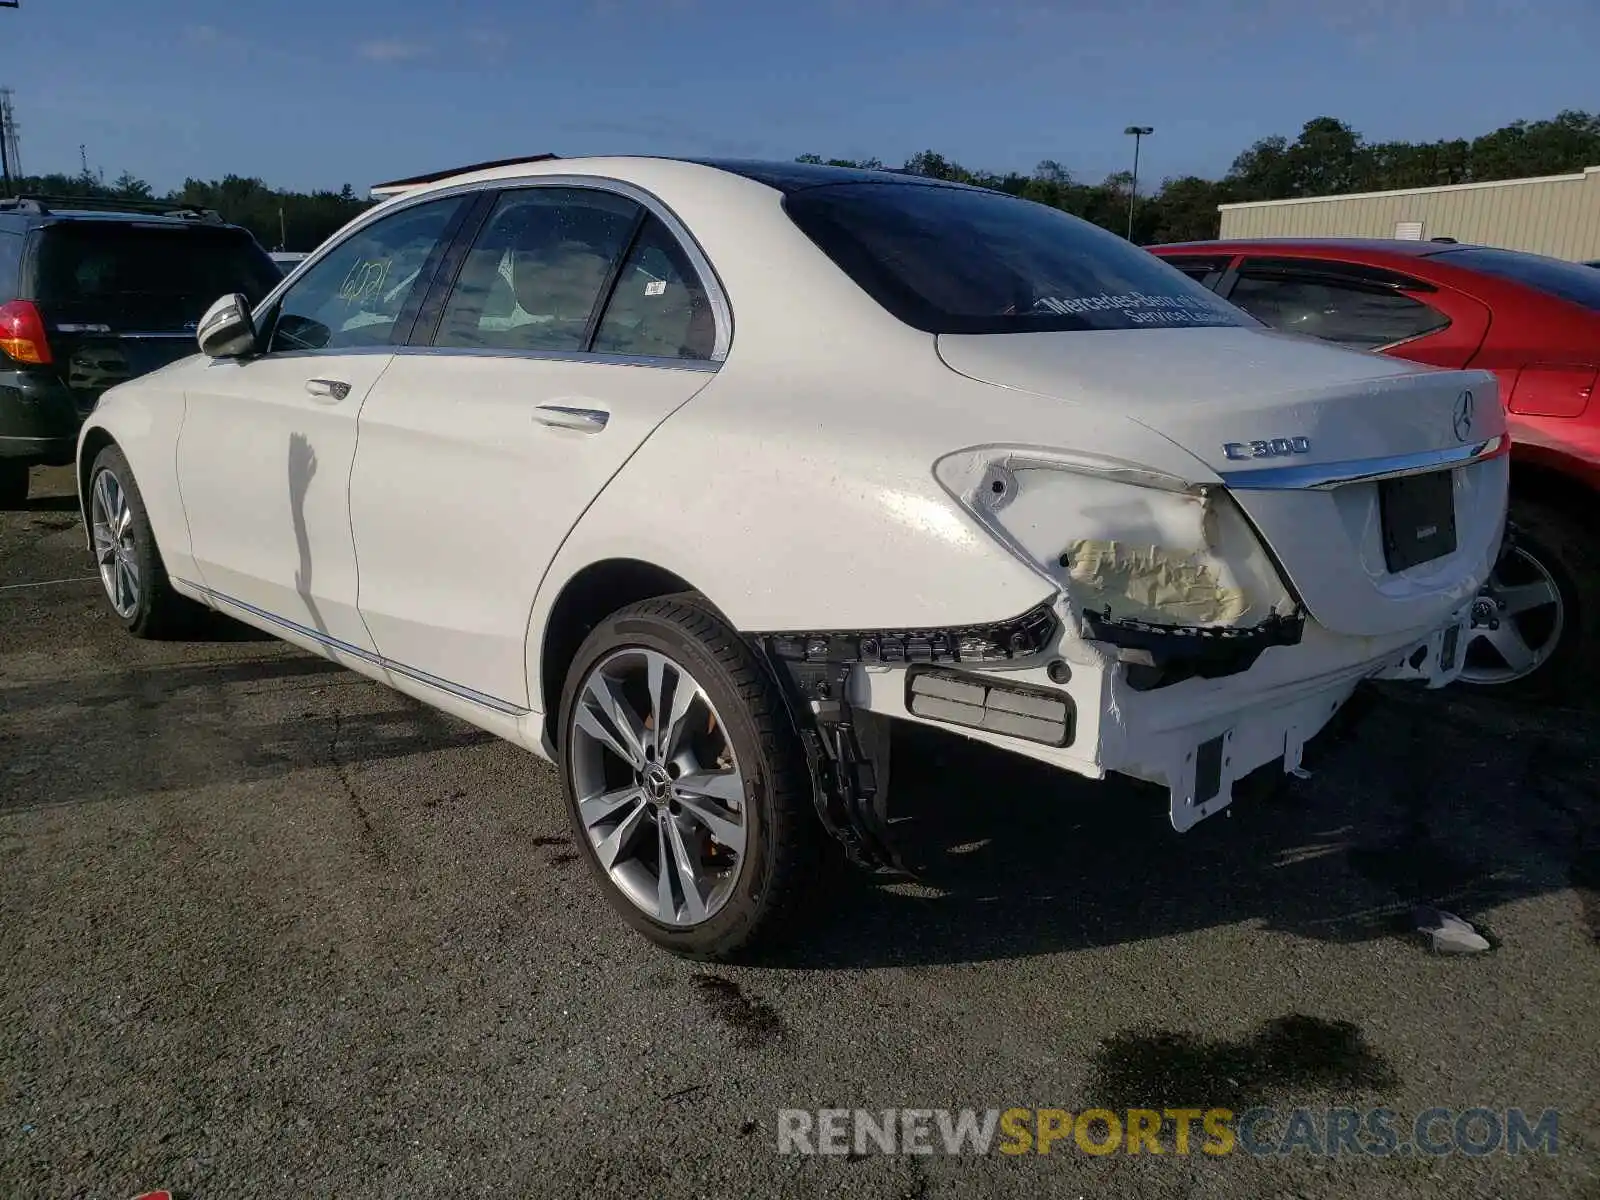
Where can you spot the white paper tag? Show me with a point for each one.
(655, 287)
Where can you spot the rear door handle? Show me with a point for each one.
(327, 391)
(562, 416)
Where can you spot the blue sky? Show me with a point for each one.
(315, 94)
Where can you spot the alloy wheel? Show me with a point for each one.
(1517, 621)
(111, 520)
(660, 793)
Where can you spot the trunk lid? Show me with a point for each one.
(1265, 411)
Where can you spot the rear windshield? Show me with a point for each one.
(157, 275)
(954, 260)
(1577, 282)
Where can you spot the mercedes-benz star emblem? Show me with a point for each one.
(1463, 421)
(656, 783)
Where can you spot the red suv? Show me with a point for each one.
(1534, 322)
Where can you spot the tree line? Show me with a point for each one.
(1326, 158)
(279, 219)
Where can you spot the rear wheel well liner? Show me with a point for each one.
(588, 598)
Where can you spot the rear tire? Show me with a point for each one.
(630, 798)
(13, 483)
(1550, 553)
(132, 575)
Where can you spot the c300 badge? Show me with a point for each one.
(1267, 448)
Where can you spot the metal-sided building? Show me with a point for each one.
(1558, 215)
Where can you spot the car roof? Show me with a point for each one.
(34, 212)
(58, 216)
(1388, 247)
(785, 177)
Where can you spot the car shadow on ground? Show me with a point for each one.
(212, 626)
(191, 726)
(42, 504)
(1459, 803)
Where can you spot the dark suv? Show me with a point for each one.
(93, 293)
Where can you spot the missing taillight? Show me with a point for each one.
(22, 333)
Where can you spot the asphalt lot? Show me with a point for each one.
(267, 929)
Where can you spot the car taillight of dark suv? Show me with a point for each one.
(94, 293)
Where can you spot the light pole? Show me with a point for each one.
(1138, 133)
(5, 161)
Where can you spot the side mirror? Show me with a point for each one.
(226, 330)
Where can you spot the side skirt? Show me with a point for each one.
(500, 717)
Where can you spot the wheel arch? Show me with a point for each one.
(1540, 480)
(95, 439)
(590, 595)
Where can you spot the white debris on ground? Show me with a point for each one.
(1447, 933)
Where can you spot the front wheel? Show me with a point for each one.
(1536, 624)
(685, 782)
(125, 552)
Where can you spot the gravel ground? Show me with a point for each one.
(268, 929)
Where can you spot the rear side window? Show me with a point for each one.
(659, 307)
(1349, 314)
(534, 276)
(154, 275)
(1575, 282)
(10, 264)
(960, 260)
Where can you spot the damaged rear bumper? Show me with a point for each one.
(1045, 693)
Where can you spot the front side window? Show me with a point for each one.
(965, 260)
(1349, 314)
(658, 307)
(535, 274)
(354, 295)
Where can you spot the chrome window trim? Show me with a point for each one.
(596, 357)
(721, 310)
(1326, 476)
(388, 664)
(290, 355)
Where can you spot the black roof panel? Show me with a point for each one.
(790, 177)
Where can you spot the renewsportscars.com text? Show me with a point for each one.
(1325, 1132)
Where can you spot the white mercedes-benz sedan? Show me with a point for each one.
(689, 475)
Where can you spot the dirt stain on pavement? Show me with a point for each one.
(1293, 1053)
(754, 1021)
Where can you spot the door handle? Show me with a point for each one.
(562, 416)
(328, 391)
